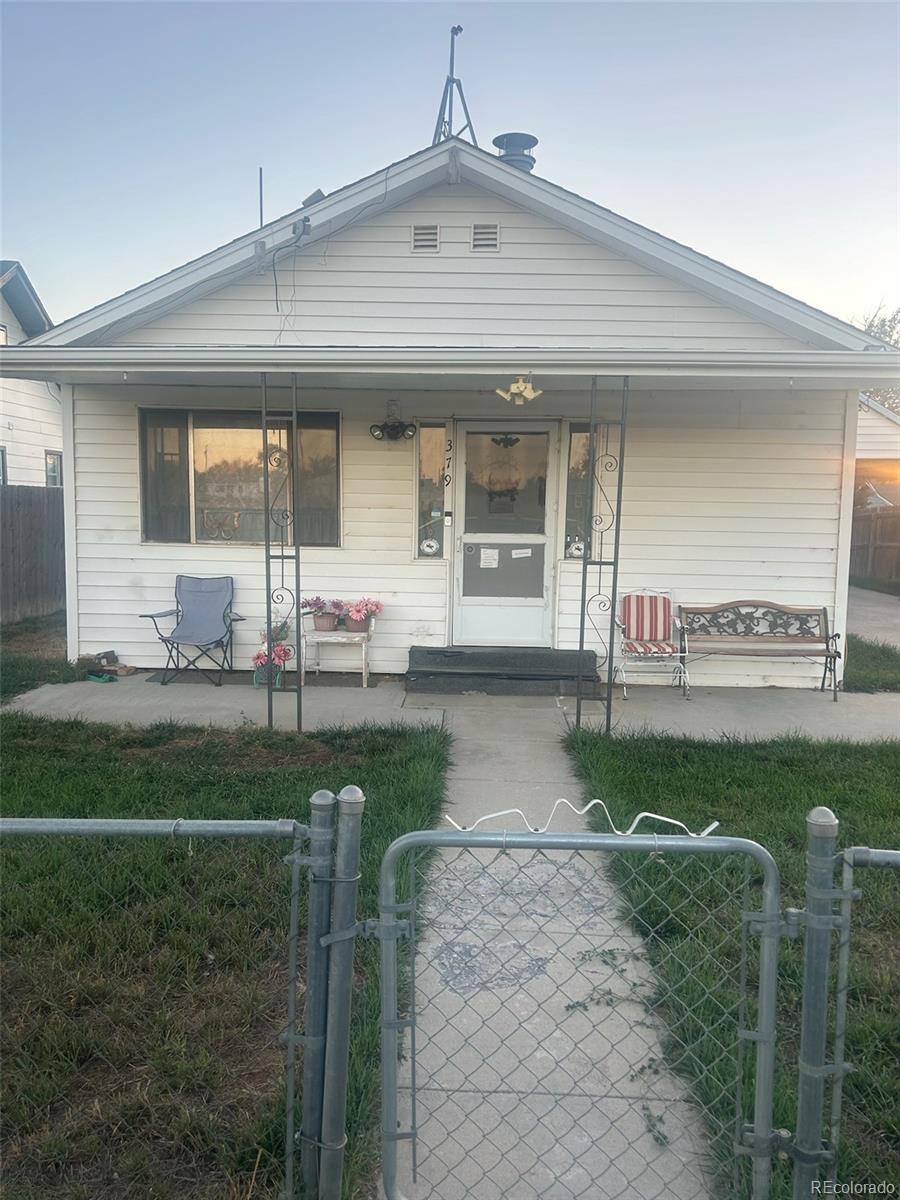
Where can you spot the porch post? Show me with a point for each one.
(613, 599)
(294, 468)
(267, 542)
(588, 547)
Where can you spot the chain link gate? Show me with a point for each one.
(556, 1023)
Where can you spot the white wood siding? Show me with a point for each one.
(120, 577)
(545, 286)
(727, 496)
(30, 417)
(877, 436)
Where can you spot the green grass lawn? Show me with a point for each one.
(144, 981)
(876, 585)
(34, 652)
(762, 791)
(871, 666)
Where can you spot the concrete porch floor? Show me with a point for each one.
(710, 713)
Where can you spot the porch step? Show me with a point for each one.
(499, 670)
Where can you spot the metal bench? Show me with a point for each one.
(759, 628)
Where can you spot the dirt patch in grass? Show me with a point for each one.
(43, 637)
(191, 1086)
(230, 753)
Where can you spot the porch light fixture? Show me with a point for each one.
(392, 431)
(521, 391)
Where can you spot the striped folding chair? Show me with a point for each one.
(650, 638)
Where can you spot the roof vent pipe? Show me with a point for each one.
(515, 149)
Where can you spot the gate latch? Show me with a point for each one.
(797, 919)
(780, 1144)
(373, 928)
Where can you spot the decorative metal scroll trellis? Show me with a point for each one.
(281, 500)
(603, 513)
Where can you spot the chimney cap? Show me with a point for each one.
(515, 141)
(515, 149)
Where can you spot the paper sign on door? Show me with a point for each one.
(521, 553)
(489, 557)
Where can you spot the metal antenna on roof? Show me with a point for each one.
(443, 128)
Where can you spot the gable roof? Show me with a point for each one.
(18, 292)
(456, 160)
(868, 404)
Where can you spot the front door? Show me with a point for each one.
(506, 514)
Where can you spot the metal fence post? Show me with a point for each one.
(340, 992)
(821, 840)
(321, 834)
(290, 1033)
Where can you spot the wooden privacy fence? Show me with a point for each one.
(32, 552)
(875, 545)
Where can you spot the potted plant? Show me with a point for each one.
(358, 615)
(268, 667)
(325, 613)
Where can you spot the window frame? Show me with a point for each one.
(276, 414)
(573, 427)
(57, 454)
(449, 451)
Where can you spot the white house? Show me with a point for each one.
(877, 455)
(410, 297)
(30, 412)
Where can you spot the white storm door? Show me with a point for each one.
(506, 517)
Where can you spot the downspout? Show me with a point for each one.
(73, 616)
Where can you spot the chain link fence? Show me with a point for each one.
(580, 1022)
(563, 1015)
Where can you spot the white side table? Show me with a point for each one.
(334, 637)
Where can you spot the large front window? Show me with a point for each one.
(203, 478)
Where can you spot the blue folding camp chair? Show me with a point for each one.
(203, 623)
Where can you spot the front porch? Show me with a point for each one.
(756, 713)
(472, 526)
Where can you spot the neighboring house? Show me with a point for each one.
(411, 296)
(31, 449)
(877, 456)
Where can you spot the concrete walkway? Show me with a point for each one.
(526, 1086)
(133, 700)
(874, 615)
(749, 712)
(496, 722)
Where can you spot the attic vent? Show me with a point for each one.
(486, 237)
(425, 237)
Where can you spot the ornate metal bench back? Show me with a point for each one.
(756, 618)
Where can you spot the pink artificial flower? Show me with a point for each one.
(364, 607)
(281, 653)
(260, 659)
